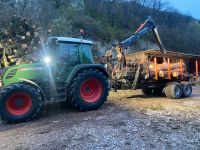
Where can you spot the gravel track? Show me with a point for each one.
(128, 120)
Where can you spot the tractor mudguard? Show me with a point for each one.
(31, 83)
(81, 67)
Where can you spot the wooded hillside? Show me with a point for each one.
(103, 20)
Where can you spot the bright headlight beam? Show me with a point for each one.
(47, 60)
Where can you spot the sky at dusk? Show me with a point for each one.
(188, 7)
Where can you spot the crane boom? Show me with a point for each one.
(147, 26)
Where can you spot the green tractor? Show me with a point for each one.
(67, 73)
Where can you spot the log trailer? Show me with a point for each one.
(154, 71)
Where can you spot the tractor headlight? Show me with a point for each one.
(47, 60)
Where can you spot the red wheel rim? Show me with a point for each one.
(91, 90)
(19, 104)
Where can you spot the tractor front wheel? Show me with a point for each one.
(89, 90)
(19, 102)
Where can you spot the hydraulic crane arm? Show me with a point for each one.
(147, 26)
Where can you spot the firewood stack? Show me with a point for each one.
(19, 42)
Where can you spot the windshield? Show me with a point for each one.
(68, 52)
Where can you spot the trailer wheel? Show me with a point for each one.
(19, 102)
(173, 90)
(89, 90)
(187, 90)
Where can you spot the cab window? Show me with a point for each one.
(68, 52)
(86, 53)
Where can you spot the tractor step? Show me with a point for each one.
(60, 95)
(59, 92)
(60, 88)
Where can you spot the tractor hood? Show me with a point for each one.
(33, 72)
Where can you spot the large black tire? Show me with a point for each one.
(187, 90)
(19, 102)
(89, 90)
(173, 90)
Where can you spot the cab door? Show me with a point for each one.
(67, 58)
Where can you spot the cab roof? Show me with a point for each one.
(74, 40)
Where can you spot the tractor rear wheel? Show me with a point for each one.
(173, 90)
(89, 90)
(19, 102)
(187, 90)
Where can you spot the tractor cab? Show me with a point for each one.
(68, 50)
(62, 54)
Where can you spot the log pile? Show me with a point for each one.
(19, 42)
(162, 69)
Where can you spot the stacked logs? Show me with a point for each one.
(19, 42)
(176, 69)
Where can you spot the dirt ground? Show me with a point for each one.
(128, 120)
